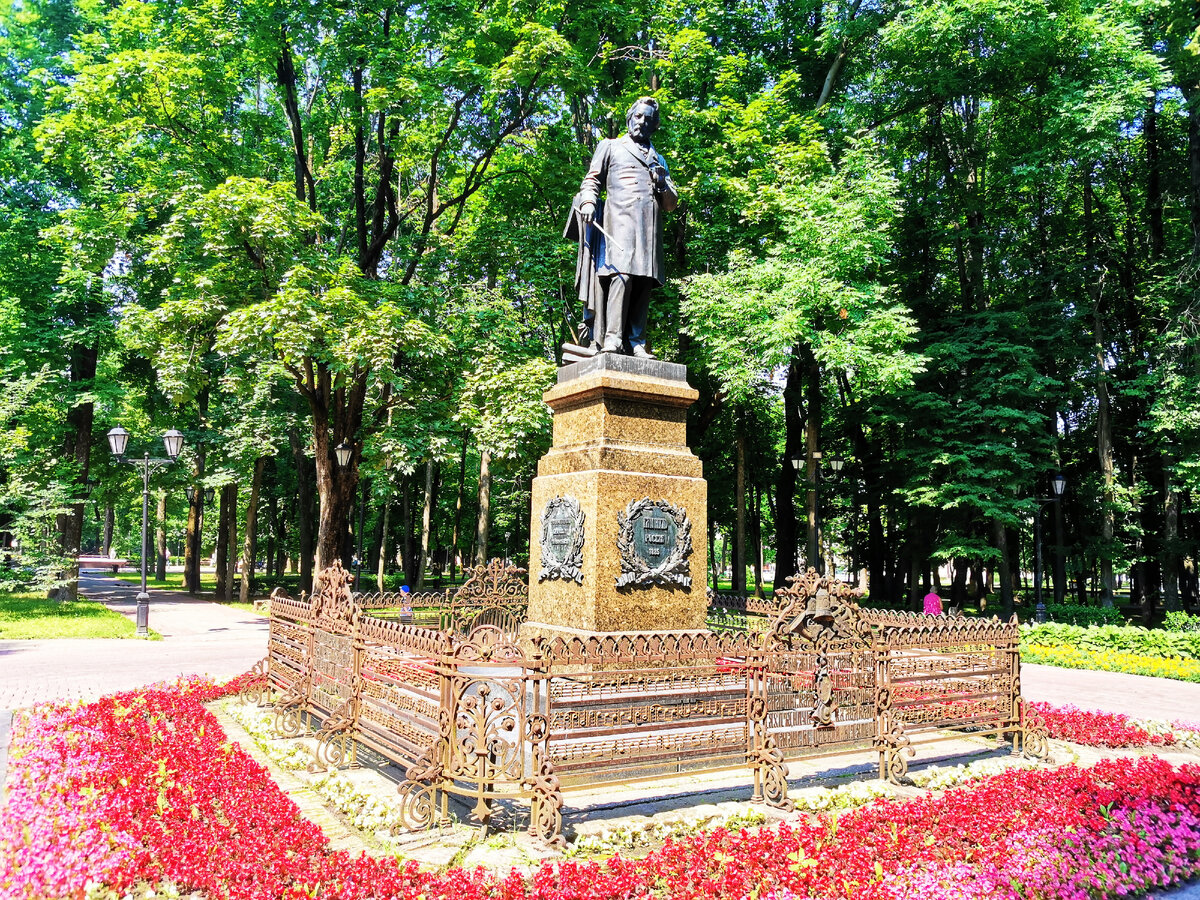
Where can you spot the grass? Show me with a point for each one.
(30, 616)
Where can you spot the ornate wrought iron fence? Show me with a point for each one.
(469, 708)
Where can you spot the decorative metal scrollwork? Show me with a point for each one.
(331, 739)
(893, 746)
(418, 805)
(771, 776)
(333, 602)
(486, 746)
(648, 554)
(257, 689)
(1034, 735)
(496, 594)
(562, 540)
(814, 605)
(545, 813)
(289, 709)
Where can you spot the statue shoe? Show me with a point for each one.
(640, 351)
(611, 348)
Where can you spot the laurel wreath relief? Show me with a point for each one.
(674, 571)
(570, 568)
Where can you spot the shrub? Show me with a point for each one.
(1077, 614)
(1181, 621)
(1127, 639)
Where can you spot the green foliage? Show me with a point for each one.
(814, 287)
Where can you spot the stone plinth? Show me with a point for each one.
(619, 439)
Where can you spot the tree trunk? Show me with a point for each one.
(223, 549)
(379, 537)
(739, 499)
(160, 538)
(812, 440)
(78, 447)
(273, 536)
(250, 541)
(193, 548)
(758, 543)
(786, 563)
(1171, 555)
(458, 508)
(282, 540)
(1104, 439)
(381, 563)
(426, 523)
(304, 509)
(958, 587)
(358, 546)
(110, 520)
(337, 485)
(408, 546)
(714, 572)
(485, 503)
(229, 495)
(1000, 538)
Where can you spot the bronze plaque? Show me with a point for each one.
(562, 540)
(655, 541)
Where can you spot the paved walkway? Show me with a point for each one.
(1134, 695)
(199, 637)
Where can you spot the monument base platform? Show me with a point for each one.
(620, 505)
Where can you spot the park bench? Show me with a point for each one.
(102, 562)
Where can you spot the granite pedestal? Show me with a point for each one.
(619, 439)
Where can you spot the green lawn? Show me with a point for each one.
(29, 616)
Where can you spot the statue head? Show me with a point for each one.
(642, 119)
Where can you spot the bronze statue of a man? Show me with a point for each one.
(620, 236)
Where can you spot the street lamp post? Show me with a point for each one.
(1057, 484)
(118, 440)
(815, 559)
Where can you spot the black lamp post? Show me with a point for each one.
(343, 452)
(118, 440)
(814, 559)
(1058, 484)
(798, 464)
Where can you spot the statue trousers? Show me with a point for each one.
(627, 302)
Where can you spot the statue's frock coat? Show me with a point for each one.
(632, 212)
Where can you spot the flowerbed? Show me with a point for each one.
(144, 788)
(1101, 729)
(1111, 661)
